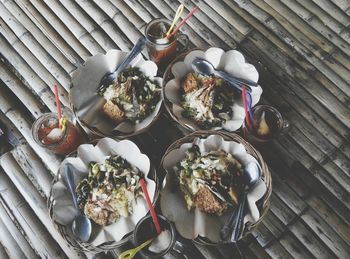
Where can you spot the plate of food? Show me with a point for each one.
(127, 106)
(202, 186)
(106, 180)
(207, 102)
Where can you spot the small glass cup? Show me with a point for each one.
(274, 120)
(160, 50)
(145, 230)
(62, 144)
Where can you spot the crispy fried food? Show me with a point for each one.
(113, 111)
(190, 83)
(97, 214)
(206, 202)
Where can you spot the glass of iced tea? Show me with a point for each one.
(47, 133)
(267, 124)
(161, 244)
(160, 49)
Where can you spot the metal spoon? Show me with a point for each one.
(110, 77)
(204, 67)
(233, 228)
(81, 226)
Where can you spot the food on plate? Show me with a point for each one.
(209, 181)
(207, 100)
(132, 96)
(110, 190)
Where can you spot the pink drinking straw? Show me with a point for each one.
(151, 209)
(59, 114)
(183, 22)
(244, 97)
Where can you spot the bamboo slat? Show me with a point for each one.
(276, 250)
(12, 248)
(310, 241)
(18, 64)
(16, 32)
(6, 223)
(294, 246)
(315, 22)
(10, 109)
(40, 239)
(63, 44)
(39, 36)
(260, 252)
(34, 169)
(302, 52)
(13, 83)
(3, 252)
(32, 61)
(326, 234)
(335, 13)
(33, 198)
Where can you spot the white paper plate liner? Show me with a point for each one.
(232, 62)
(192, 224)
(88, 104)
(63, 208)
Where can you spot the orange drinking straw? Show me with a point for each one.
(182, 22)
(59, 114)
(151, 209)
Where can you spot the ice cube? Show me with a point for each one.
(54, 136)
(161, 242)
(50, 122)
(162, 29)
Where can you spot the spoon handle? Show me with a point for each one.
(70, 182)
(129, 254)
(140, 44)
(238, 222)
(226, 230)
(235, 81)
(241, 80)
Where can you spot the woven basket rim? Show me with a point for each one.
(266, 175)
(124, 135)
(87, 247)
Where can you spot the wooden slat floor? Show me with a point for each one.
(302, 51)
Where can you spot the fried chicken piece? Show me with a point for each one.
(113, 111)
(96, 213)
(206, 201)
(190, 83)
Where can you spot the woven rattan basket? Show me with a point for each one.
(77, 245)
(84, 246)
(266, 175)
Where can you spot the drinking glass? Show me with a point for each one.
(274, 120)
(145, 230)
(60, 142)
(162, 50)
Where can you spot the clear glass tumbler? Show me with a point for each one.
(267, 124)
(145, 230)
(162, 50)
(46, 133)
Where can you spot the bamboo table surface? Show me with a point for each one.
(302, 52)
